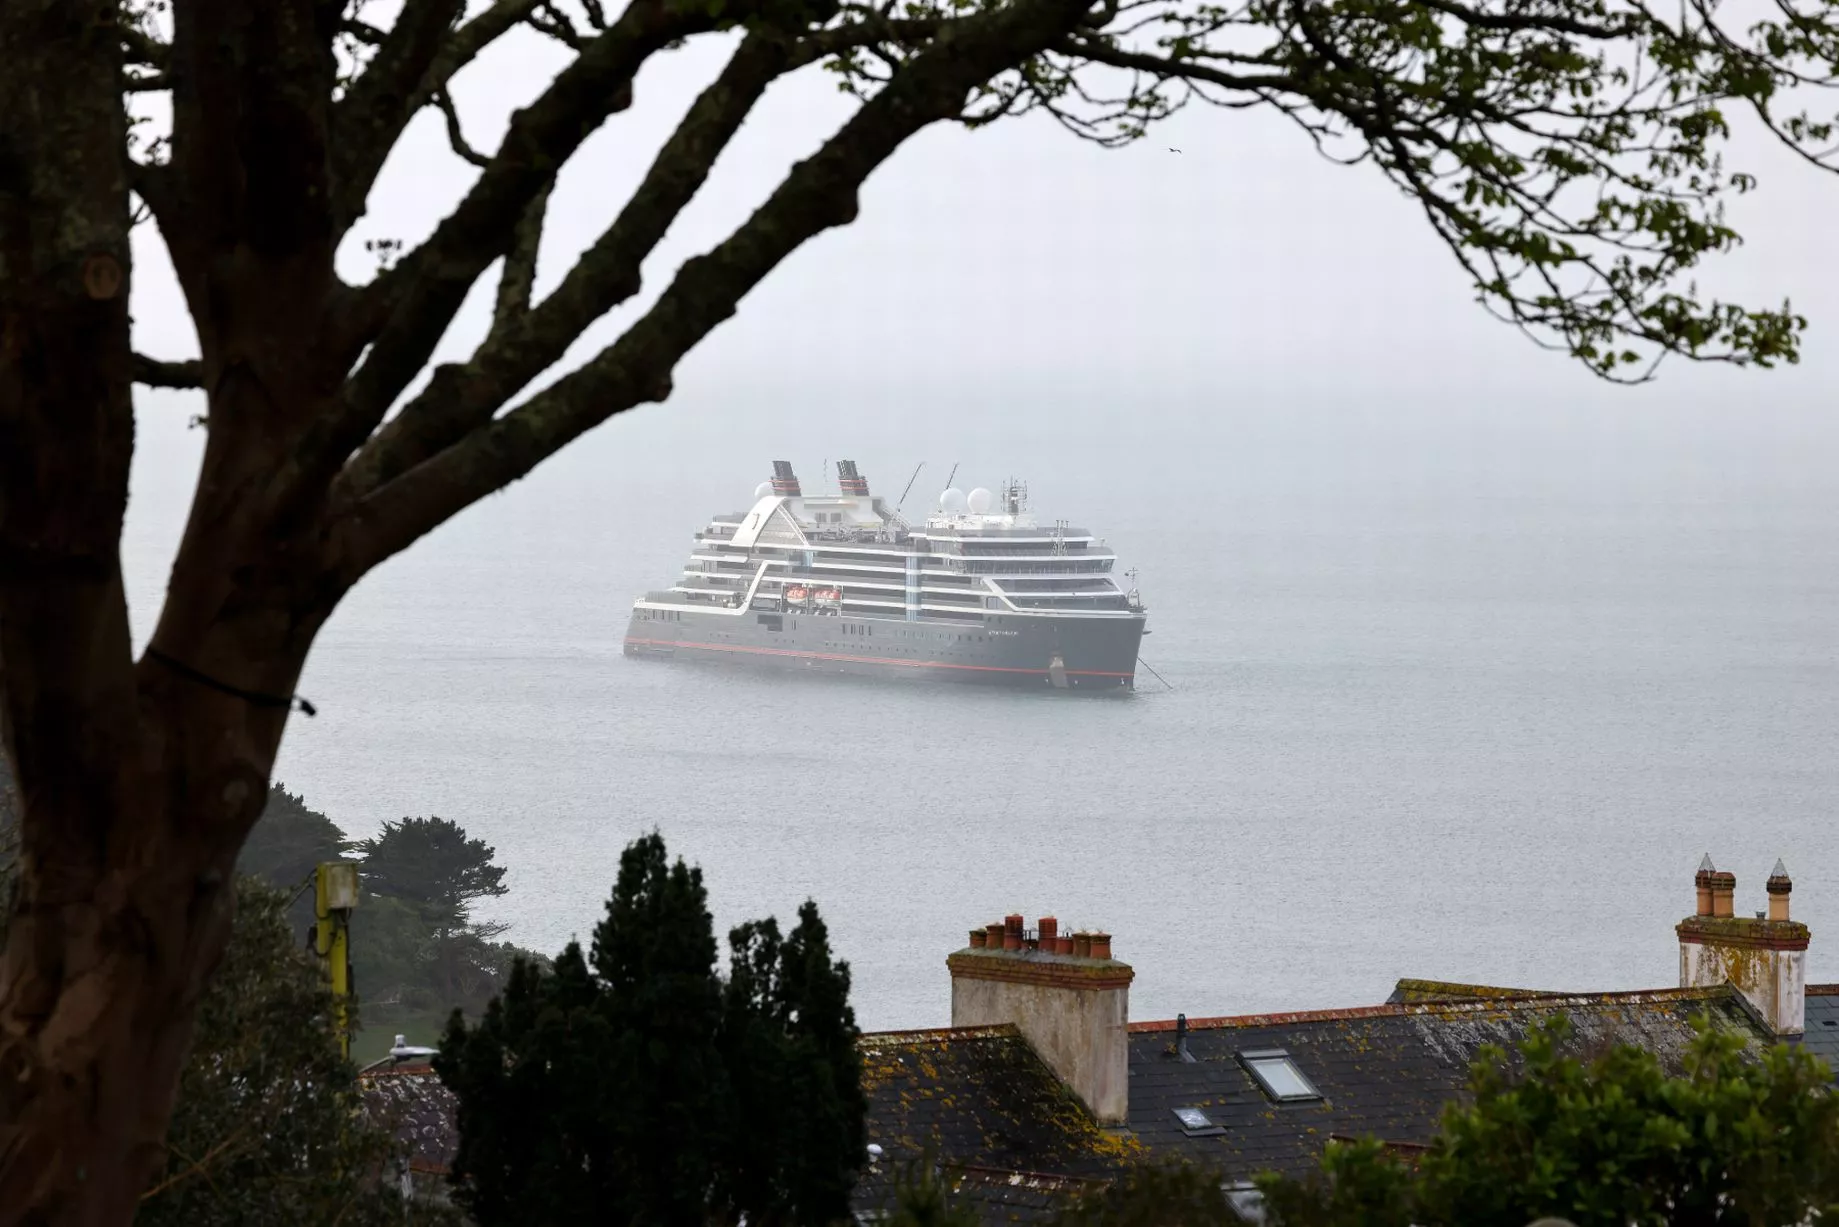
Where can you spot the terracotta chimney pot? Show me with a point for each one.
(1101, 945)
(1779, 887)
(1063, 944)
(978, 938)
(1723, 892)
(1013, 922)
(993, 936)
(1702, 880)
(1048, 928)
(1082, 945)
(1012, 939)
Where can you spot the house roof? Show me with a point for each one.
(1822, 1038)
(1382, 1071)
(979, 1104)
(1011, 1140)
(409, 1099)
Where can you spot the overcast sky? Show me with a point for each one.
(1243, 266)
(1016, 281)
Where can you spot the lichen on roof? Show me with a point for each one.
(1415, 991)
(979, 1095)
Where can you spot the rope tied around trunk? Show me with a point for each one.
(291, 702)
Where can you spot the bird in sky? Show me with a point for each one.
(1173, 150)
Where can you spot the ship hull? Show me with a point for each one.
(1082, 654)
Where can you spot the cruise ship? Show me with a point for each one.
(840, 583)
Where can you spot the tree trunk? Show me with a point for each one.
(137, 783)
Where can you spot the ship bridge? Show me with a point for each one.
(978, 554)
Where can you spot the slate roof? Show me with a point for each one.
(1002, 1130)
(1822, 1038)
(1010, 1140)
(412, 1101)
(1383, 1071)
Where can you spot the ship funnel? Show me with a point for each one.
(783, 480)
(851, 481)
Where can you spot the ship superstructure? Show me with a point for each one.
(980, 591)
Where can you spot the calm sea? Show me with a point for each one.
(1462, 693)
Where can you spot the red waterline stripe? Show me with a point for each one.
(862, 660)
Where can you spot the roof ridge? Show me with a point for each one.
(1823, 990)
(976, 1032)
(1465, 1006)
(395, 1070)
(1458, 990)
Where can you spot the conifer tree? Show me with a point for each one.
(638, 1085)
(430, 862)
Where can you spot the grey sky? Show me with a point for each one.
(1244, 265)
(1382, 476)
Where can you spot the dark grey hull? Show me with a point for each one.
(1070, 653)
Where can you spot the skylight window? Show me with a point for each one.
(1278, 1075)
(1195, 1123)
(1247, 1202)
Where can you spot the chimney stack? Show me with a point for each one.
(784, 482)
(849, 480)
(1764, 958)
(1072, 1008)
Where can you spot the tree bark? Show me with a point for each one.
(138, 783)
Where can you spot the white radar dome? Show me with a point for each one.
(952, 501)
(763, 489)
(981, 501)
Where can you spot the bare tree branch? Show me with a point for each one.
(417, 57)
(818, 194)
(143, 49)
(157, 373)
(548, 19)
(1167, 68)
(455, 136)
(519, 275)
(520, 348)
(153, 184)
(403, 314)
(363, 31)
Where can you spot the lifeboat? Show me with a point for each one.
(795, 593)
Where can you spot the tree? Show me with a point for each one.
(290, 840)
(1612, 1142)
(922, 1198)
(268, 1127)
(431, 863)
(418, 944)
(9, 837)
(284, 847)
(634, 1085)
(1179, 1195)
(1564, 150)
